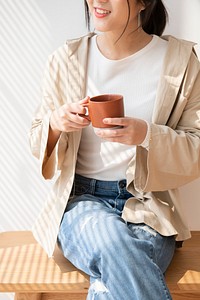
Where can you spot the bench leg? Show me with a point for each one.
(28, 296)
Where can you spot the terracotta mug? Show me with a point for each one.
(104, 106)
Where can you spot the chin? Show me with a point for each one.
(101, 26)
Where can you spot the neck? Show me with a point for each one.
(113, 47)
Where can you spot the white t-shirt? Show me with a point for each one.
(136, 78)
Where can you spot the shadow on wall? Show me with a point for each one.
(25, 40)
(30, 31)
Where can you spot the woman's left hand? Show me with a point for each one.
(133, 131)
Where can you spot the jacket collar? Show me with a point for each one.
(77, 57)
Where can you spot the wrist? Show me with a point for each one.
(52, 125)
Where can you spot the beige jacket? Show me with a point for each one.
(153, 176)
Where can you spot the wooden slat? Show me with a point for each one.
(194, 242)
(184, 271)
(28, 296)
(24, 266)
(63, 296)
(186, 296)
(51, 296)
(25, 269)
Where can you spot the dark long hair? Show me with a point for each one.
(153, 18)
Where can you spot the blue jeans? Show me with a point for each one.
(125, 261)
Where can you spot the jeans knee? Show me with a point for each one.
(97, 288)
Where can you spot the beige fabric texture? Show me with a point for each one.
(153, 176)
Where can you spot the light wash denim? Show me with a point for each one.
(125, 261)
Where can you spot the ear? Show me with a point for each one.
(142, 6)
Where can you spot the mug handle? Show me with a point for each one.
(86, 115)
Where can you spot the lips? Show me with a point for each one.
(101, 13)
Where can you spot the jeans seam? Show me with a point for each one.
(164, 286)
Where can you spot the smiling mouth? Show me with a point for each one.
(102, 12)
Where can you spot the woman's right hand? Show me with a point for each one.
(67, 117)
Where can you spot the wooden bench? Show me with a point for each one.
(26, 270)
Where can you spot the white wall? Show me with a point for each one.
(29, 31)
(184, 20)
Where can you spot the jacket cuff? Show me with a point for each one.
(145, 143)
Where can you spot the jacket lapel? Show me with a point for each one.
(77, 57)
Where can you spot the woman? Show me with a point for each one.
(114, 208)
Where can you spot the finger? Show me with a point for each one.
(85, 100)
(80, 118)
(116, 121)
(123, 139)
(71, 126)
(110, 133)
(73, 108)
(71, 120)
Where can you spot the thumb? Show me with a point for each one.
(84, 100)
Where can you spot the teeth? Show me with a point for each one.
(102, 12)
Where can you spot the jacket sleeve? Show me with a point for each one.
(173, 158)
(51, 98)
